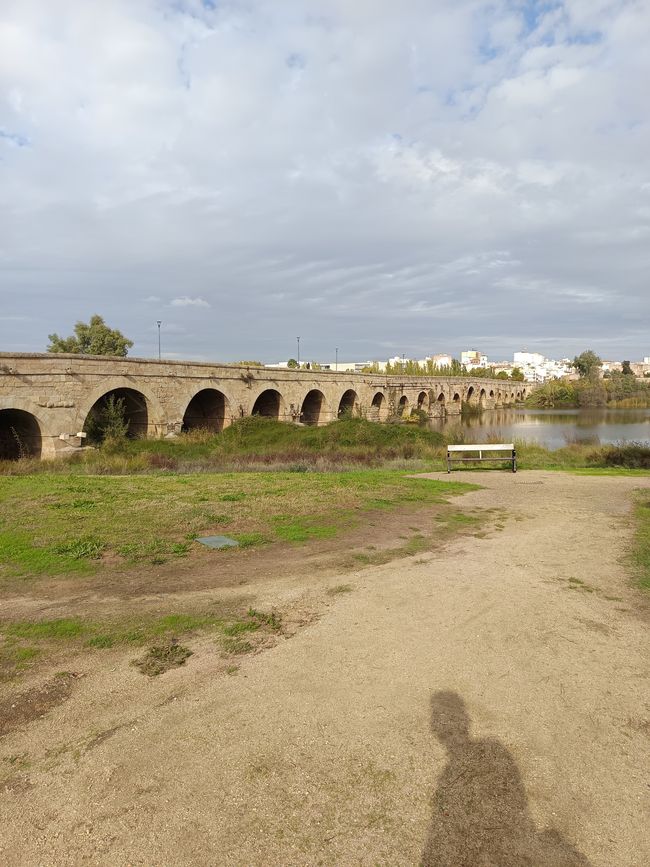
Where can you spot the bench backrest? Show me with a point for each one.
(482, 447)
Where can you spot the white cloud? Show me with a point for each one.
(269, 154)
(185, 301)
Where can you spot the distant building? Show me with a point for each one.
(641, 368)
(536, 368)
(441, 360)
(472, 358)
(528, 358)
(349, 366)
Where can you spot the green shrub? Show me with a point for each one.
(632, 456)
(85, 548)
(108, 424)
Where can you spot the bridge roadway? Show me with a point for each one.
(47, 399)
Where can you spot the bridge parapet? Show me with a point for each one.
(47, 399)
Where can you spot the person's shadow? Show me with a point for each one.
(480, 814)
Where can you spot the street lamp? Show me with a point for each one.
(336, 366)
(158, 323)
(298, 359)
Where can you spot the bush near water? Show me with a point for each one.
(617, 391)
(256, 443)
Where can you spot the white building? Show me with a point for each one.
(472, 358)
(440, 360)
(528, 359)
(536, 368)
(350, 366)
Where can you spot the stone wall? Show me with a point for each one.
(50, 396)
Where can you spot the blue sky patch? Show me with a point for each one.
(17, 139)
(295, 60)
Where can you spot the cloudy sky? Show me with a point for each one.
(382, 176)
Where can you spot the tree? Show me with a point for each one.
(517, 374)
(292, 363)
(94, 338)
(587, 363)
(626, 370)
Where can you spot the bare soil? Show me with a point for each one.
(483, 703)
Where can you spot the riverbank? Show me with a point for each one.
(261, 445)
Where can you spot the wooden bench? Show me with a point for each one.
(481, 448)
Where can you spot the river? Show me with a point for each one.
(554, 428)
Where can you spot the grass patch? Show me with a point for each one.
(162, 657)
(152, 519)
(415, 545)
(262, 618)
(22, 641)
(62, 629)
(302, 530)
(86, 548)
(641, 551)
(235, 645)
(461, 518)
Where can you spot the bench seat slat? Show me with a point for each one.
(482, 447)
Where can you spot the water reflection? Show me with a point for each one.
(554, 428)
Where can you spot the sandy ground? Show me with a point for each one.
(485, 705)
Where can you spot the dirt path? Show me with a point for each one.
(486, 704)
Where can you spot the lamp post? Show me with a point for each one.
(298, 359)
(336, 365)
(158, 323)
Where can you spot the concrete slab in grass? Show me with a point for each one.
(218, 542)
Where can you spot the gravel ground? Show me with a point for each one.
(484, 704)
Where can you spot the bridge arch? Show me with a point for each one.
(470, 396)
(348, 404)
(20, 435)
(269, 404)
(424, 401)
(482, 398)
(154, 414)
(402, 406)
(209, 408)
(136, 413)
(314, 410)
(379, 407)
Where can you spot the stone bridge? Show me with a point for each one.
(46, 400)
